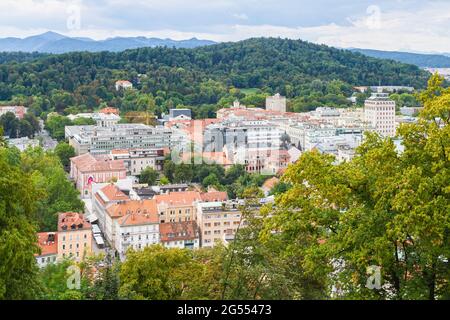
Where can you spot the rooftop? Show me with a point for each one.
(48, 243)
(187, 230)
(72, 221)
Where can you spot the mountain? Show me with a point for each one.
(418, 59)
(51, 42)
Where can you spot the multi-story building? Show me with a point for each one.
(177, 206)
(218, 222)
(137, 225)
(379, 111)
(102, 140)
(276, 103)
(19, 111)
(181, 235)
(48, 244)
(87, 169)
(137, 160)
(74, 236)
(102, 199)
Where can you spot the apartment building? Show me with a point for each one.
(181, 235)
(74, 236)
(102, 140)
(137, 160)
(379, 111)
(104, 198)
(218, 222)
(137, 227)
(177, 206)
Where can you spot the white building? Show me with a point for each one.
(137, 160)
(379, 112)
(102, 140)
(276, 103)
(48, 244)
(137, 228)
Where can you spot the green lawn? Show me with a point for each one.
(248, 91)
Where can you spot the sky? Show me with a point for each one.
(406, 25)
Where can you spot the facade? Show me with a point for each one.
(181, 235)
(19, 111)
(137, 226)
(379, 111)
(74, 236)
(102, 199)
(276, 103)
(48, 243)
(218, 222)
(177, 206)
(102, 140)
(137, 160)
(87, 169)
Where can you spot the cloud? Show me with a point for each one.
(414, 25)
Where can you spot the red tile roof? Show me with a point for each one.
(216, 196)
(143, 207)
(72, 221)
(88, 163)
(177, 231)
(47, 247)
(185, 198)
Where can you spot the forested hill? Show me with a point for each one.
(311, 75)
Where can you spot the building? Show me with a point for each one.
(87, 169)
(218, 222)
(102, 140)
(181, 235)
(137, 160)
(177, 206)
(106, 119)
(168, 188)
(180, 114)
(276, 103)
(102, 199)
(124, 85)
(136, 225)
(19, 111)
(110, 110)
(379, 112)
(23, 143)
(74, 236)
(48, 244)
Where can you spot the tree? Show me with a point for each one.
(211, 180)
(18, 199)
(157, 273)
(64, 151)
(384, 208)
(149, 176)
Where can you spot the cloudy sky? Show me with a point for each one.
(409, 25)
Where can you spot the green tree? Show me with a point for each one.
(18, 199)
(64, 151)
(384, 208)
(149, 176)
